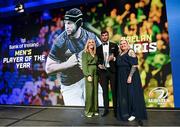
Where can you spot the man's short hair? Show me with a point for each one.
(104, 31)
(75, 15)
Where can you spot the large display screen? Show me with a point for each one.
(26, 41)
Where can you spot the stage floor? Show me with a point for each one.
(68, 116)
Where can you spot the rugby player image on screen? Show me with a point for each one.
(65, 58)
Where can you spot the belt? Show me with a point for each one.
(92, 64)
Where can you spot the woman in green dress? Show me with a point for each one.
(89, 67)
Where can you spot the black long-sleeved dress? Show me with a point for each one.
(130, 97)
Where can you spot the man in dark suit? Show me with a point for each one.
(107, 53)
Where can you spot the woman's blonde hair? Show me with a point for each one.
(86, 48)
(120, 51)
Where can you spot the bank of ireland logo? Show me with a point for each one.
(158, 95)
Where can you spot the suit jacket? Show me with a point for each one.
(113, 48)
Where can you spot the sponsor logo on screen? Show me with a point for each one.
(158, 95)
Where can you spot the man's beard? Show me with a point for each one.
(73, 32)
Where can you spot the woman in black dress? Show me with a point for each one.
(130, 97)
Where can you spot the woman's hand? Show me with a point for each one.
(89, 78)
(129, 80)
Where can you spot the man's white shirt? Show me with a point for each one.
(106, 54)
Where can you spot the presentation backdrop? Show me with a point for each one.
(26, 40)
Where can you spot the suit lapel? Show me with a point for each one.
(101, 51)
(110, 47)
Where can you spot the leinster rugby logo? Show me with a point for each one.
(158, 95)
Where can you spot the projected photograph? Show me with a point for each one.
(37, 61)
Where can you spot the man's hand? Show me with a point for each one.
(72, 61)
(111, 57)
(53, 66)
(101, 66)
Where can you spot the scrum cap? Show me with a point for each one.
(75, 15)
